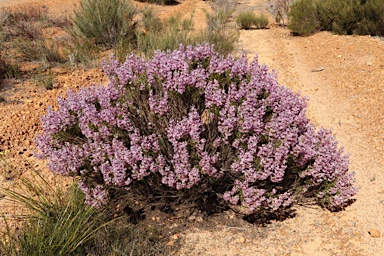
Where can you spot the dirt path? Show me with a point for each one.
(343, 76)
(347, 95)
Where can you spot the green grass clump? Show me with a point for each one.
(163, 35)
(102, 25)
(261, 21)
(59, 223)
(246, 19)
(219, 32)
(104, 22)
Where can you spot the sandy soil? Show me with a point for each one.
(343, 76)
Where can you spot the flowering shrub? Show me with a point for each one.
(192, 120)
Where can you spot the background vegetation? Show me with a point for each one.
(248, 19)
(359, 17)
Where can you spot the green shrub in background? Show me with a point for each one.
(303, 19)
(104, 22)
(246, 19)
(347, 17)
(372, 18)
(261, 21)
(218, 31)
(340, 17)
(151, 22)
(361, 17)
(163, 35)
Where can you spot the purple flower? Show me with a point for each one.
(191, 118)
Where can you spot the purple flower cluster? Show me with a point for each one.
(194, 118)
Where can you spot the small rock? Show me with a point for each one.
(374, 233)
(175, 236)
(171, 243)
(199, 219)
(242, 240)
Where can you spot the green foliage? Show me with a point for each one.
(222, 11)
(223, 40)
(246, 19)
(48, 80)
(37, 50)
(362, 17)
(303, 20)
(218, 32)
(9, 69)
(340, 17)
(167, 35)
(83, 51)
(261, 21)
(372, 18)
(58, 223)
(105, 23)
(151, 23)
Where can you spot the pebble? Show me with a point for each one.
(171, 243)
(242, 240)
(374, 233)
